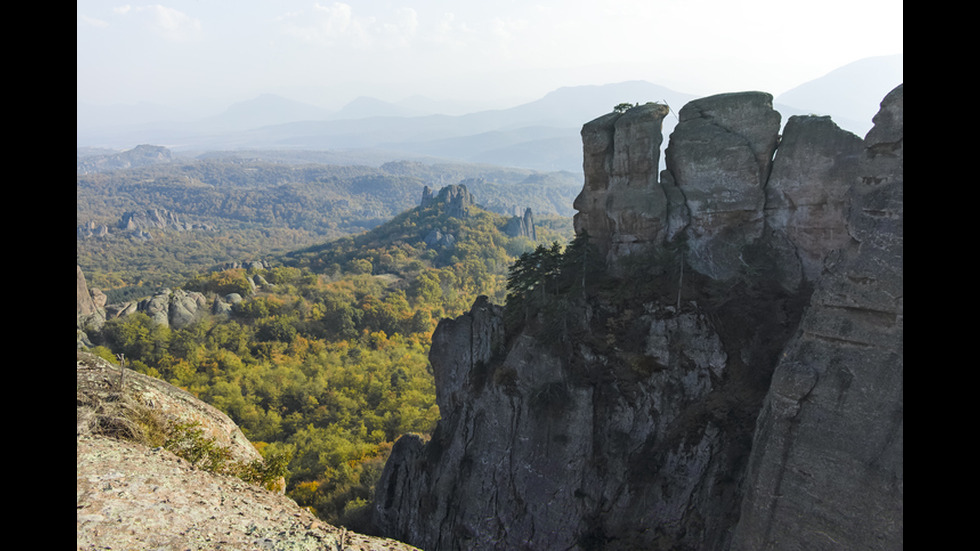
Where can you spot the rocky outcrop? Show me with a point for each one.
(85, 303)
(139, 225)
(243, 264)
(722, 188)
(436, 239)
(131, 496)
(719, 157)
(99, 383)
(151, 219)
(456, 200)
(89, 307)
(91, 229)
(175, 308)
(735, 384)
(621, 205)
(522, 226)
(826, 469)
(141, 155)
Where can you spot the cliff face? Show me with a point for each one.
(736, 384)
(827, 458)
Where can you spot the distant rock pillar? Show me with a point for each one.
(529, 225)
(426, 197)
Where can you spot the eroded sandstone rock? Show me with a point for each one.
(631, 422)
(622, 204)
(130, 496)
(826, 467)
(719, 157)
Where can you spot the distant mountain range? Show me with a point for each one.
(850, 95)
(541, 135)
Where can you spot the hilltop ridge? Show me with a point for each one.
(541, 134)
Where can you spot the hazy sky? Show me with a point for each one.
(332, 51)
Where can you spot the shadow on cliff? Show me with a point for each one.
(633, 391)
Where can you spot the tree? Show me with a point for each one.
(580, 263)
(532, 277)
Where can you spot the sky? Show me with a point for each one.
(509, 51)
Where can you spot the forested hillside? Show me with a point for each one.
(263, 205)
(325, 363)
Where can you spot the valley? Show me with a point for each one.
(635, 347)
(234, 207)
(297, 300)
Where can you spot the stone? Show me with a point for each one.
(805, 197)
(826, 467)
(719, 156)
(521, 226)
(622, 204)
(130, 496)
(753, 400)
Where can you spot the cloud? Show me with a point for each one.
(328, 26)
(92, 21)
(340, 26)
(401, 32)
(168, 23)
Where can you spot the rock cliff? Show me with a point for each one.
(457, 199)
(733, 380)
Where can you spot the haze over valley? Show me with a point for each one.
(540, 135)
(424, 275)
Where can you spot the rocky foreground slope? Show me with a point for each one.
(131, 496)
(737, 384)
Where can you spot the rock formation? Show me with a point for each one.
(735, 382)
(522, 226)
(141, 155)
(151, 219)
(826, 469)
(621, 205)
(175, 308)
(139, 224)
(456, 198)
(89, 308)
(131, 496)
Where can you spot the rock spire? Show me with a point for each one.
(736, 384)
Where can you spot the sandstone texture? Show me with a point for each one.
(827, 462)
(737, 384)
(129, 496)
(621, 204)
